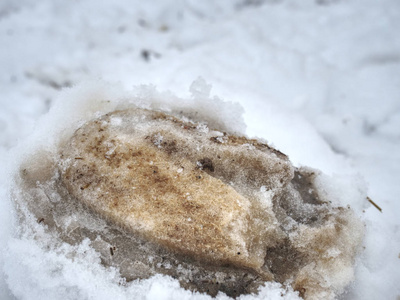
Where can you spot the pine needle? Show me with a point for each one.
(374, 204)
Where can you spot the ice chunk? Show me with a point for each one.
(158, 194)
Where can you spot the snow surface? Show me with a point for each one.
(320, 80)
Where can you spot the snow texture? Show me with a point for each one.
(320, 80)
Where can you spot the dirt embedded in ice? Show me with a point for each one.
(157, 193)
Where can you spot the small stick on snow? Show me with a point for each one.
(374, 204)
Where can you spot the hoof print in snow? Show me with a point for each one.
(157, 194)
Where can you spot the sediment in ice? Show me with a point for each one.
(157, 193)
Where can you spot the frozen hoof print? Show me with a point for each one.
(156, 193)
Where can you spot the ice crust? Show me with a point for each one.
(153, 188)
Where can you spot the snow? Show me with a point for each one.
(320, 80)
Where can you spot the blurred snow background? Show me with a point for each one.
(319, 79)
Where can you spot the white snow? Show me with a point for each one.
(318, 79)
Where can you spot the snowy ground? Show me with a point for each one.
(320, 80)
